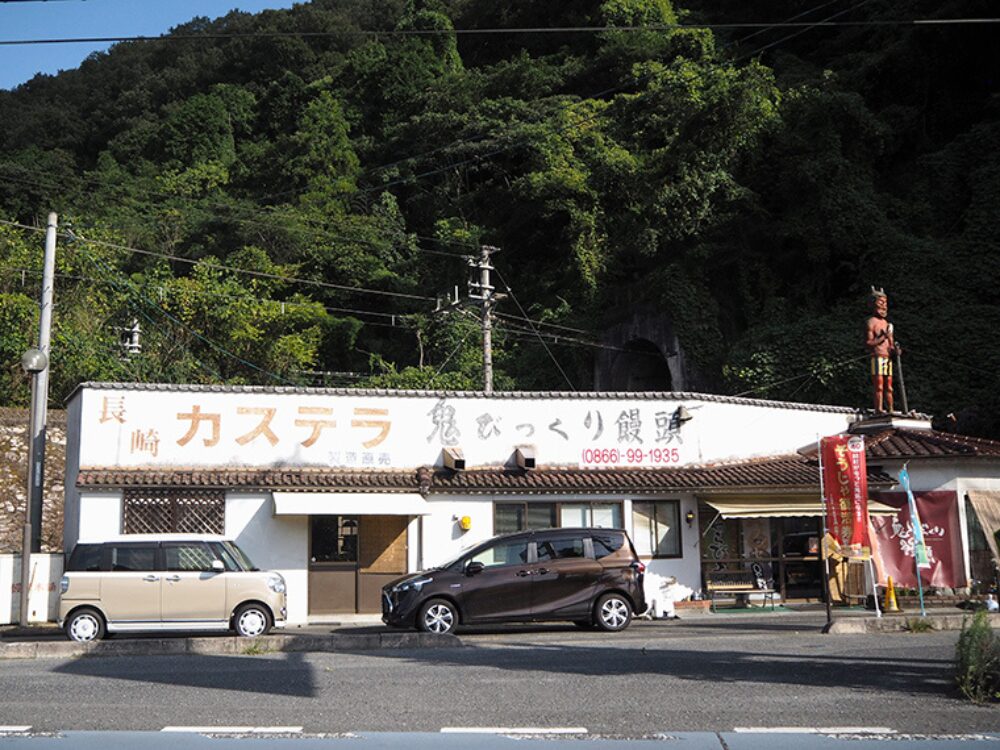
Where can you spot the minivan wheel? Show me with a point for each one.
(251, 621)
(614, 612)
(85, 625)
(438, 616)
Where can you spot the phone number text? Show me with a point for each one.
(649, 456)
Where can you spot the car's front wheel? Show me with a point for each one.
(613, 612)
(85, 625)
(251, 621)
(438, 616)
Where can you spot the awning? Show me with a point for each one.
(987, 507)
(350, 504)
(780, 507)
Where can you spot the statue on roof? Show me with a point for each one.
(882, 347)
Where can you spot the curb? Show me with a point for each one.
(901, 623)
(226, 645)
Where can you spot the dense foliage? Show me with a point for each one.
(292, 208)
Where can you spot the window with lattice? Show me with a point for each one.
(156, 511)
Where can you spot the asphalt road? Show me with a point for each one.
(714, 676)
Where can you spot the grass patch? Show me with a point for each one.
(255, 648)
(919, 625)
(977, 657)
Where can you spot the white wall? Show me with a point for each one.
(100, 515)
(215, 427)
(278, 543)
(442, 538)
(686, 569)
(43, 596)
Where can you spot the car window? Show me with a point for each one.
(503, 553)
(190, 556)
(607, 544)
(223, 553)
(85, 558)
(560, 549)
(133, 557)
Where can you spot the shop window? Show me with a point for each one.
(510, 517)
(166, 511)
(656, 527)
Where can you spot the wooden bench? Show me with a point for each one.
(737, 583)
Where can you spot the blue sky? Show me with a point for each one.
(61, 19)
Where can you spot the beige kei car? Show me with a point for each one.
(164, 583)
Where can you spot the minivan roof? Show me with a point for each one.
(156, 538)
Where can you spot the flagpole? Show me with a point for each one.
(822, 541)
(871, 566)
(920, 586)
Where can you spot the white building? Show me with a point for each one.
(344, 490)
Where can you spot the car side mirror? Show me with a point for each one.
(218, 566)
(474, 567)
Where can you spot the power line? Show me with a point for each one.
(535, 330)
(129, 287)
(217, 36)
(217, 295)
(231, 269)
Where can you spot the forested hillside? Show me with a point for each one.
(285, 198)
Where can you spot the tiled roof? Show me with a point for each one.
(784, 473)
(497, 395)
(903, 443)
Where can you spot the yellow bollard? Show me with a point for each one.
(890, 598)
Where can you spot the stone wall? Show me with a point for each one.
(13, 463)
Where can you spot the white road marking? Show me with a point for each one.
(19, 728)
(513, 730)
(234, 730)
(814, 730)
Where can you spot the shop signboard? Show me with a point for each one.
(939, 526)
(845, 495)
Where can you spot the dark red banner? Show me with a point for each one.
(942, 534)
(845, 495)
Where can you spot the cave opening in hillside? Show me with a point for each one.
(641, 367)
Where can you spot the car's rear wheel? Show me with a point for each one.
(438, 616)
(85, 625)
(252, 621)
(613, 612)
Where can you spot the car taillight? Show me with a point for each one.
(639, 567)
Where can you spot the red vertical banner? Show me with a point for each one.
(845, 495)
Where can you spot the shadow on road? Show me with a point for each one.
(288, 675)
(912, 676)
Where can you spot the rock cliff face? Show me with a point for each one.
(13, 489)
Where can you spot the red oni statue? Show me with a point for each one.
(882, 347)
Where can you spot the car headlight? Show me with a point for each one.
(414, 584)
(276, 583)
(64, 584)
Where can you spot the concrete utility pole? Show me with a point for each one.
(36, 363)
(483, 292)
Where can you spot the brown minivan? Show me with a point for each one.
(590, 576)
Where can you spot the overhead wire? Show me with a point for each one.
(217, 36)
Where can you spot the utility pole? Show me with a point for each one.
(35, 362)
(482, 291)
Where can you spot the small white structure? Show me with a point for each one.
(43, 596)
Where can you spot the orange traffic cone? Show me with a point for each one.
(890, 598)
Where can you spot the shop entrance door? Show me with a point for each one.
(333, 564)
(351, 558)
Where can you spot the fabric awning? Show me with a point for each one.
(987, 507)
(780, 507)
(350, 504)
